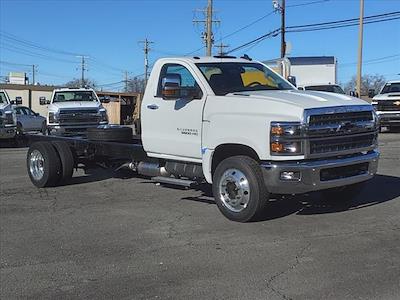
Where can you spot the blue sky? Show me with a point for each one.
(109, 31)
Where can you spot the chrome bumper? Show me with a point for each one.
(71, 129)
(7, 132)
(310, 173)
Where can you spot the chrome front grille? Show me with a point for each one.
(81, 117)
(340, 130)
(388, 105)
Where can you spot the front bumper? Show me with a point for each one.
(71, 129)
(319, 174)
(7, 132)
(389, 119)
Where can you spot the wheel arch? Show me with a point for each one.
(224, 151)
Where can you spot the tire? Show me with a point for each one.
(343, 195)
(239, 189)
(67, 160)
(43, 164)
(110, 134)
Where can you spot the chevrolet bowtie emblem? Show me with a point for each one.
(397, 103)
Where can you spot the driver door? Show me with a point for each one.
(172, 128)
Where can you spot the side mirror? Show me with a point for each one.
(105, 99)
(353, 94)
(292, 80)
(12, 102)
(171, 87)
(371, 93)
(48, 102)
(18, 100)
(42, 101)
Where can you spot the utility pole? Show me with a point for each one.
(360, 46)
(83, 69)
(281, 7)
(146, 50)
(221, 47)
(208, 34)
(283, 27)
(126, 81)
(33, 74)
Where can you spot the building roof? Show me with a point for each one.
(312, 60)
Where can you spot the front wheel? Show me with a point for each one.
(239, 188)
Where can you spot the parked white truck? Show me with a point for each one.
(8, 120)
(387, 104)
(73, 111)
(235, 124)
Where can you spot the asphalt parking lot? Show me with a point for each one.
(115, 236)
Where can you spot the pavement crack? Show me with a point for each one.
(291, 267)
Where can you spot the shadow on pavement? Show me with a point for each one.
(380, 189)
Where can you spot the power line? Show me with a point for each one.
(333, 24)
(9, 36)
(396, 13)
(308, 3)
(261, 38)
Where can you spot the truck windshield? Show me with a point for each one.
(74, 96)
(3, 98)
(326, 88)
(231, 77)
(391, 88)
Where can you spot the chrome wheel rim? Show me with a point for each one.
(234, 190)
(36, 165)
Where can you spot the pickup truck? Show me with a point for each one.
(8, 120)
(205, 120)
(387, 105)
(73, 111)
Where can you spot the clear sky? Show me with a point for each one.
(109, 31)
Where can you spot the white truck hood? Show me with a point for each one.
(304, 99)
(388, 96)
(74, 105)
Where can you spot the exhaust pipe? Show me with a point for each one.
(152, 169)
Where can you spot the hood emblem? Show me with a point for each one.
(345, 126)
(396, 103)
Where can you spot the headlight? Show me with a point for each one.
(103, 115)
(53, 117)
(10, 118)
(286, 138)
(374, 104)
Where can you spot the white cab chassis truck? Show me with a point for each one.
(235, 124)
(73, 111)
(387, 105)
(8, 120)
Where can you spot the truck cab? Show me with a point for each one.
(73, 111)
(387, 105)
(8, 120)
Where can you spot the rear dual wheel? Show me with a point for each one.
(49, 164)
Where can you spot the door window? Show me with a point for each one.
(189, 86)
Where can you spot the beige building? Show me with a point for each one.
(120, 109)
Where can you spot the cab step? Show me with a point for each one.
(175, 181)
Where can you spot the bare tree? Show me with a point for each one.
(368, 82)
(76, 83)
(136, 85)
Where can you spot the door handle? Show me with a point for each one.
(152, 106)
